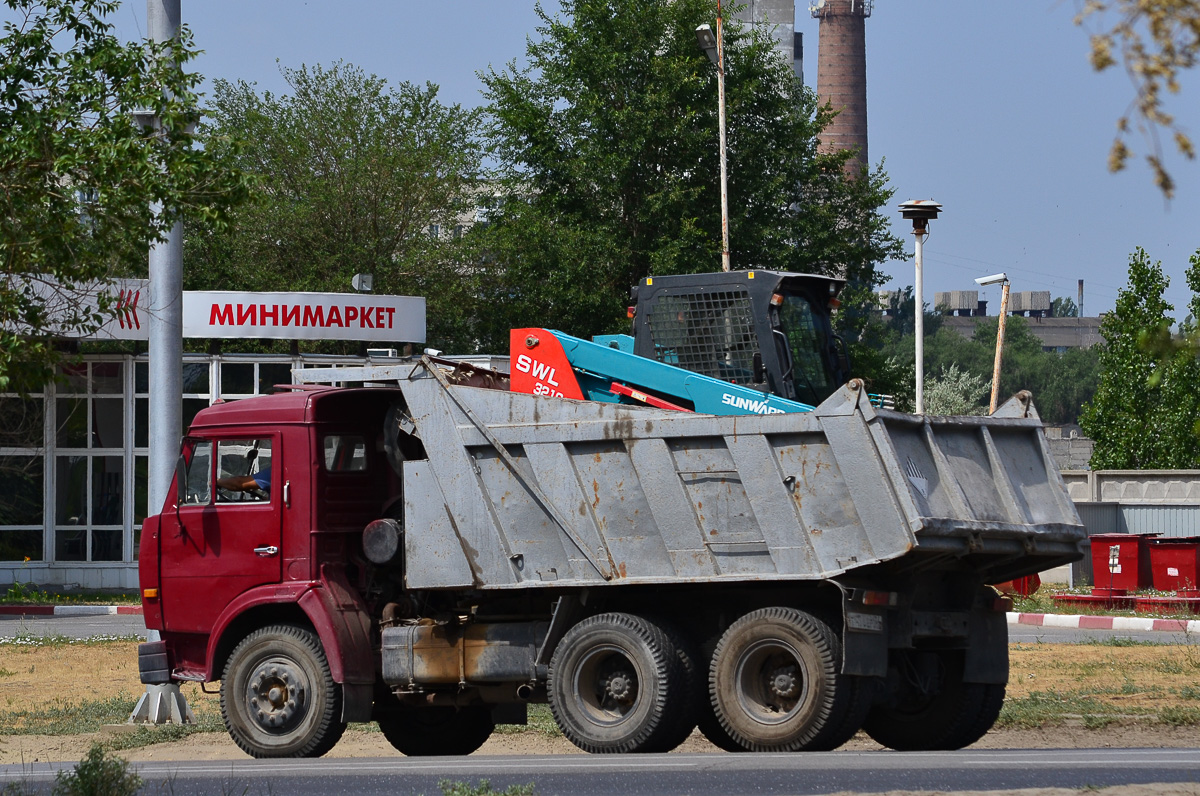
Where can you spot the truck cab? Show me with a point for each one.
(217, 562)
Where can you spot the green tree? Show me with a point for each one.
(1145, 410)
(879, 329)
(1060, 383)
(1064, 307)
(353, 175)
(608, 158)
(956, 392)
(78, 174)
(1155, 40)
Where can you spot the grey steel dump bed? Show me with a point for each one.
(520, 491)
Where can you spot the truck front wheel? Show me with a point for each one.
(278, 698)
(930, 707)
(615, 681)
(775, 685)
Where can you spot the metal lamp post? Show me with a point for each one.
(1002, 280)
(163, 702)
(714, 46)
(920, 212)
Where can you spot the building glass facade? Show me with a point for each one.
(74, 461)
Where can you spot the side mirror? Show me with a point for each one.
(180, 481)
(760, 373)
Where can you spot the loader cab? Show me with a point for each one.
(764, 329)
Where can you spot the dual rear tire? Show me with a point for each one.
(618, 683)
(774, 685)
(625, 683)
(931, 708)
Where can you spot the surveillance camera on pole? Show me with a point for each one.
(983, 281)
(920, 212)
(994, 279)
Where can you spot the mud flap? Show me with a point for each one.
(357, 701)
(987, 647)
(864, 639)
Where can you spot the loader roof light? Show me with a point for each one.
(776, 299)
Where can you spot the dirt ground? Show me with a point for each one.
(1135, 679)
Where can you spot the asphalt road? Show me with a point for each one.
(700, 775)
(72, 626)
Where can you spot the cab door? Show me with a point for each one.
(218, 543)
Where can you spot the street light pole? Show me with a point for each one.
(165, 322)
(714, 47)
(721, 122)
(920, 212)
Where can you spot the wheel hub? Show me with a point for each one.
(277, 696)
(619, 686)
(784, 683)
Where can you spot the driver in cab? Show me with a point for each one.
(246, 483)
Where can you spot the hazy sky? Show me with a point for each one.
(990, 108)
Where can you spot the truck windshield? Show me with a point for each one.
(807, 334)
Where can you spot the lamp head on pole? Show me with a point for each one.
(920, 212)
(707, 41)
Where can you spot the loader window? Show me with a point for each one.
(345, 453)
(709, 332)
(808, 345)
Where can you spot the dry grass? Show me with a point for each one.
(69, 689)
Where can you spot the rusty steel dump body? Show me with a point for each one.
(521, 491)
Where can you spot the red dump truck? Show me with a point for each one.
(434, 552)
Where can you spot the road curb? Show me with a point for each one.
(70, 610)
(1131, 623)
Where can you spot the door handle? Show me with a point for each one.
(269, 550)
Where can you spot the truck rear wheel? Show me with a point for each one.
(613, 681)
(775, 686)
(434, 731)
(278, 698)
(684, 710)
(932, 708)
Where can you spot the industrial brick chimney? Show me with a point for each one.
(842, 74)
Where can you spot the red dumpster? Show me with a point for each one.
(1176, 563)
(1020, 586)
(1120, 562)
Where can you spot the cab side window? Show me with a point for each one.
(199, 473)
(246, 462)
(344, 453)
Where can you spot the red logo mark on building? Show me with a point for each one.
(127, 301)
